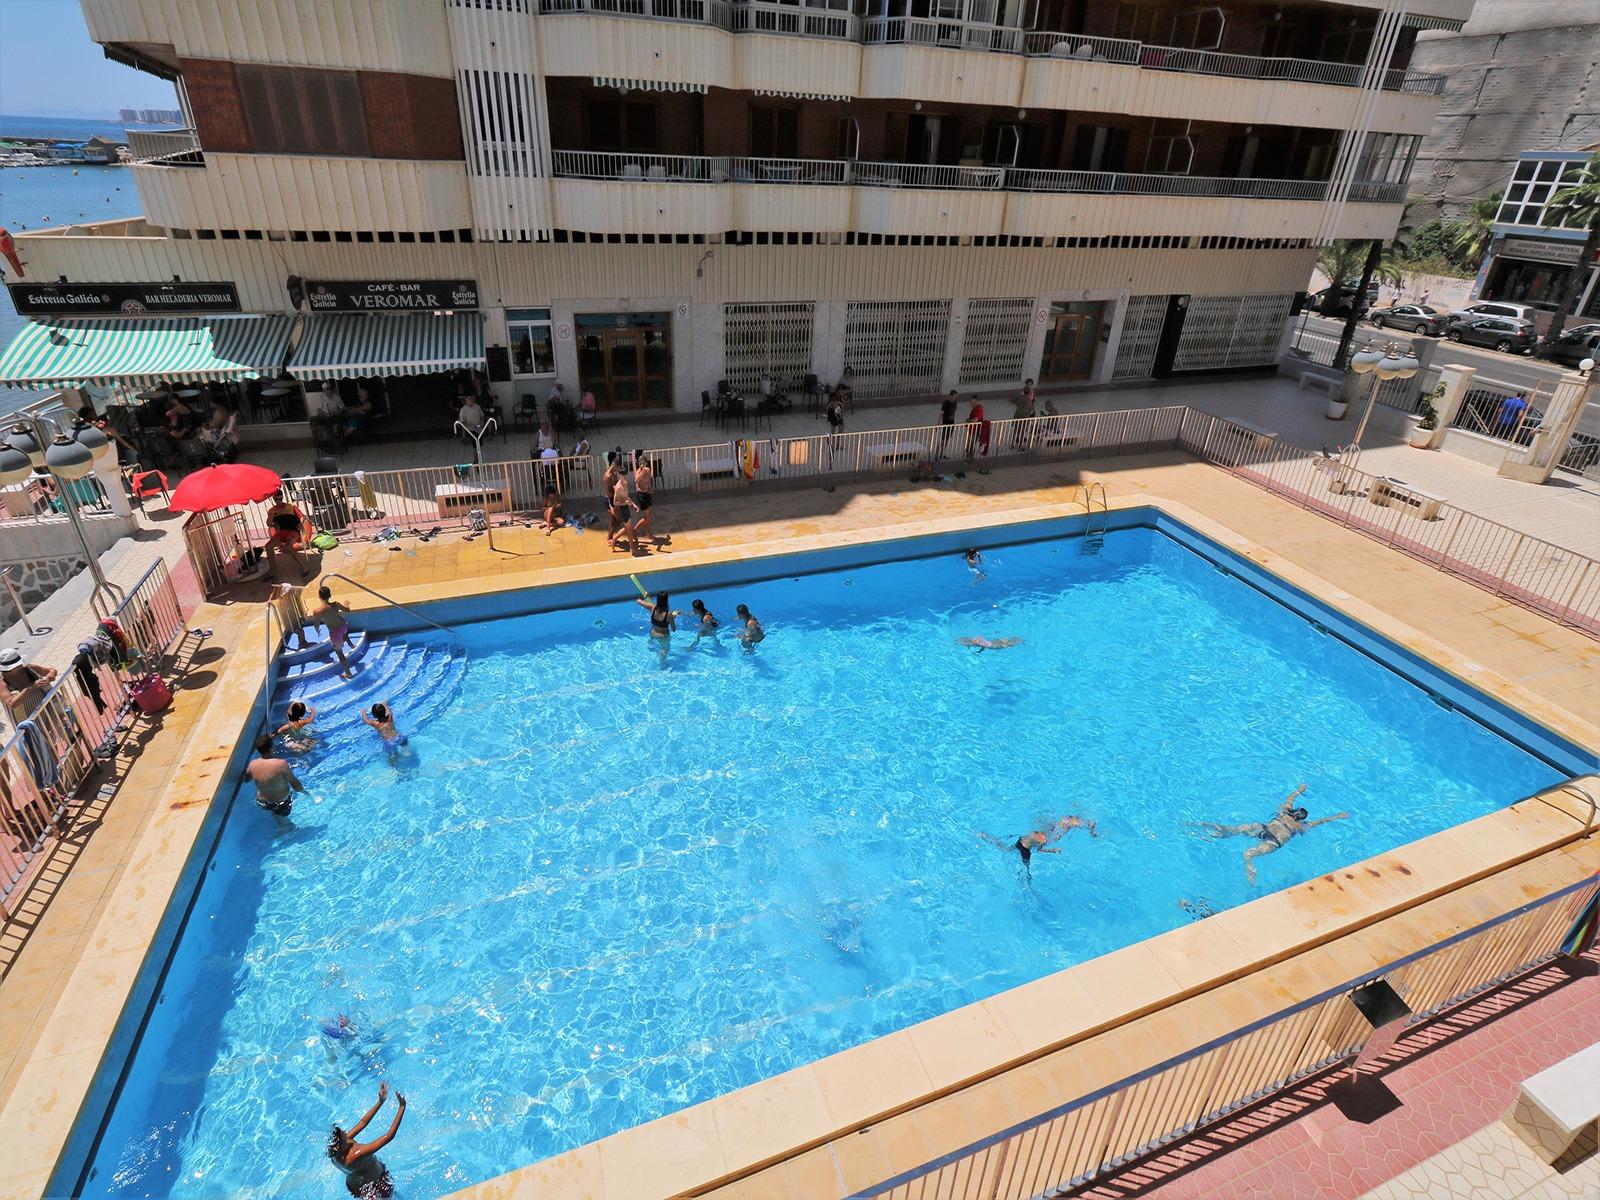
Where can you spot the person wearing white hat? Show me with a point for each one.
(22, 685)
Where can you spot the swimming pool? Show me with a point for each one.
(595, 891)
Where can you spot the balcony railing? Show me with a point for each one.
(684, 168)
(774, 16)
(175, 147)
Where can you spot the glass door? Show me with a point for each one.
(624, 358)
(1069, 346)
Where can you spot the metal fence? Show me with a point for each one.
(1551, 580)
(1083, 1139)
(689, 168)
(75, 724)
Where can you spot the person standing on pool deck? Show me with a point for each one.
(622, 515)
(663, 620)
(644, 486)
(1271, 835)
(947, 422)
(364, 1175)
(274, 779)
(708, 624)
(1039, 840)
(750, 631)
(332, 614)
(608, 485)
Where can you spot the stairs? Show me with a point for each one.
(1094, 529)
(419, 674)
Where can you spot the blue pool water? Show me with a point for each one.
(595, 891)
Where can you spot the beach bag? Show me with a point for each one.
(477, 521)
(151, 694)
(324, 541)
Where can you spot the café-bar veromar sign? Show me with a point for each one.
(126, 299)
(390, 295)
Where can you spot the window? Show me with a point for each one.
(296, 110)
(531, 351)
(1099, 148)
(1171, 149)
(1387, 157)
(1535, 181)
(1136, 22)
(848, 141)
(774, 132)
(621, 124)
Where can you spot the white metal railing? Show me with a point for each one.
(75, 724)
(164, 145)
(683, 168)
(773, 16)
(1502, 411)
(1076, 1142)
(1379, 191)
(975, 29)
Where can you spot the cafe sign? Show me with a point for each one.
(121, 299)
(390, 295)
(1564, 254)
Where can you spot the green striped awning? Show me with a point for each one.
(388, 344)
(74, 352)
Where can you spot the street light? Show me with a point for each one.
(1392, 362)
(92, 439)
(27, 447)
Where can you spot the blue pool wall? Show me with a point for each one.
(1516, 727)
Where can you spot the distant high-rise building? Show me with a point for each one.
(151, 116)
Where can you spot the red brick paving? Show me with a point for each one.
(1448, 1079)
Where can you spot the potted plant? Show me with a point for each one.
(1337, 404)
(1427, 418)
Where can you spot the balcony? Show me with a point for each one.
(171, 147)
(768, 16)
(601, 192)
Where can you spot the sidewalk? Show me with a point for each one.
(1566, 511)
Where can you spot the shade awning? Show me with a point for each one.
(77, 352)
(388, 344)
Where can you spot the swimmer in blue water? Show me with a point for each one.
(975, 565)
(382, 719)
(1039, 841)
(296, 730)
(1290, 822)
(706, 624)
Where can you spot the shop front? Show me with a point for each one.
(1533, 271)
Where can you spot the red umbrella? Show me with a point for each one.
(224, 486)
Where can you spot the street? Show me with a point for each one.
(1517, 370)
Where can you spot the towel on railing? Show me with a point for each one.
(38, 753)
(85, 667)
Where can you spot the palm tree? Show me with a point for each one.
(1470, 237)
(1340, 261)
(1575, 206)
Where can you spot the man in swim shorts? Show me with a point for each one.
(1270, 835)
(1039, 841)
(332, 614)
(274, 779)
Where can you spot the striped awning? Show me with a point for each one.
(648, 85)
(80, 351)
(388, 344)
(823, 96)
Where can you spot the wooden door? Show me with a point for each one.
(1069, 347)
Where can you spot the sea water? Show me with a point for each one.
(592, 891)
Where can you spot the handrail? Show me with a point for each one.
(392, 602)
(1582, 793)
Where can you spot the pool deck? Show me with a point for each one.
(66, 988)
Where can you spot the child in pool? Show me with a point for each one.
(296, 730)
(382, 719)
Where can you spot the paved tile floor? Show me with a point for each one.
(1565, 511)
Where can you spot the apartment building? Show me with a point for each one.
(650, 197)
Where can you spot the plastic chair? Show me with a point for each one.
(144, 484)
(527, 410)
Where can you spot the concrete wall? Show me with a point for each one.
(43, 555)
(1522, 77)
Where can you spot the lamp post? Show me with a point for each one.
(28, 446)
(1394, 361)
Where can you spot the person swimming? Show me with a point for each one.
(708, 624)
(974, 559)
(1040, 841)
(750, 633)
(982, 643)
(364, 1175)
(382, 719)
(1290, 822)
(296, 730)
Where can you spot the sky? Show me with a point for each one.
(50, 68)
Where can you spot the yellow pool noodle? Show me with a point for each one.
(644, 594)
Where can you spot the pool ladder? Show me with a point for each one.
(1094, 529)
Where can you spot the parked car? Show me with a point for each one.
(1499, 308)
(1337, 302)
(1575, 345)
(1499, 333)
(1418, 318)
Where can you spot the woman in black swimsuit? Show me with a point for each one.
(663, 620)
(364, 1175)
(1290, 822)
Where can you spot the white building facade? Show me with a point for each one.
(651, 197)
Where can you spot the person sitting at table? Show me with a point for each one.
(547, 437)
(290, 532)
(470, 418)
(557, 396)
(359, 417)
(326, 403)
(586, 409)
(178, 422)
(88, 416)
(220, 434)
